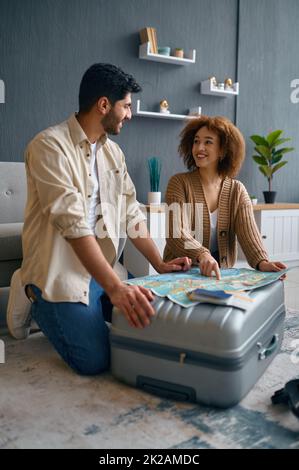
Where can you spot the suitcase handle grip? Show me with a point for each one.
(266, 352)
(166, 389)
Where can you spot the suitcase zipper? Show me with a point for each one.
(188, 356)
(177, 355)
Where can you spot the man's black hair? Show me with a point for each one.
(105, 80)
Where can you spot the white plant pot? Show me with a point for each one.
(154, 197)
(254, 201)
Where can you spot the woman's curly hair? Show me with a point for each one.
(231, 142)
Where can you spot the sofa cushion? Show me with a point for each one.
(12, 192)
(11, 241)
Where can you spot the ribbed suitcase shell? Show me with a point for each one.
(206, 353)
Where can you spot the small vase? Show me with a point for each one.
(164, 50)
(269, 196)
(154, 197)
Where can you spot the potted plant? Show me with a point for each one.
(269, 157)
(154, 166)
(253, 199)
(179, 52)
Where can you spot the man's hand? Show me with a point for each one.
(148, 248)
(134, 303)
(208, 264)
(177, 264)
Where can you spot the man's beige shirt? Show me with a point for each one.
(59, 188)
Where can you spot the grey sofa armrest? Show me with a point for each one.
(11, 241)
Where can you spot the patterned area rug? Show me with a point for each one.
(43, 404)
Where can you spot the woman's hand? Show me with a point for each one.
(274, 266)
(208, 264)
(177, 264)
(268, 266)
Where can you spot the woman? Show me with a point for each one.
(213, 150)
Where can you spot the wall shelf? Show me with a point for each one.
(145, 54)
(207, 88)
(195, 113)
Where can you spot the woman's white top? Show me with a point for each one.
(95, 197)
(213, 236)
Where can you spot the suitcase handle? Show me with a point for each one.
(266, 352)
(166, 389)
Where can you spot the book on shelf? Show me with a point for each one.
(155, 42)
(149, 35)
(144, 35)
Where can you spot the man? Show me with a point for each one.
(81, 200)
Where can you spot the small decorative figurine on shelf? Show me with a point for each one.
(164, 107)
(213, 81)
(228, 84)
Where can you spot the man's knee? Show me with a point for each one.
(92, 365)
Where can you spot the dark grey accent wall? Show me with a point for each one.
(267, 63)
(46, 45)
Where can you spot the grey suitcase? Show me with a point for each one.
(206, 353)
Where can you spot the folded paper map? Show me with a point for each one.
(176, 285)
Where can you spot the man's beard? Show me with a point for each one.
(110, 123)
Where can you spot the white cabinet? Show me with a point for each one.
(280, 233)
(134, 261)
(279, 227)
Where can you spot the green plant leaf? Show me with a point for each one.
(276, 152)
(276, 158)
(284, 150)
(281, 141)
(273, 136)
(154, 165)
(259, 140)
(266, 170)
(263, 151)
(260, 160)
(279, 165)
